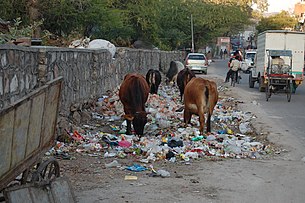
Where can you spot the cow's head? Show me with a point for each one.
(139, 119)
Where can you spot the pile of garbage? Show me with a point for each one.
(86, 43)
(166, 137)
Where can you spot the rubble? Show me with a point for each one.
(166, 138)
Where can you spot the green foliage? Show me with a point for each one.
(142, 16)
(276, 22)
(214, 20)
(174, 25)
(163, 23)
(12, 9)
(61, 16)
(262, 5)
(17, 31)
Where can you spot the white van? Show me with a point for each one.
(249, 60)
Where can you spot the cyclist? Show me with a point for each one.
(236, 53)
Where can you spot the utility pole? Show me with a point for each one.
(192, 31)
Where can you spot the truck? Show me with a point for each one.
(278, 40)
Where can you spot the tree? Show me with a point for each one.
(102, 20)
(279, 21)
(174, 25)
(12, 9)
(163, 23)
(34, 16)
(60, 16)
(262, 5)
(212, 20)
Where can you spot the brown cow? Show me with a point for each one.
(133, 94)
(184, 76)
(200, 97)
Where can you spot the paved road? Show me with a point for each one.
(289, 117)
(279, 179)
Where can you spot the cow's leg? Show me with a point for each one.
(201, 121)
(154, 91)
(209, 122)
(181, 93)
(128, 131)
(187, 116)
(174, 79)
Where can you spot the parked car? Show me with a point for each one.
(197, 62)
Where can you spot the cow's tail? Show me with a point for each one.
(152, 79)
(207, 95)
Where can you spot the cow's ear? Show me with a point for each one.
(128, 117)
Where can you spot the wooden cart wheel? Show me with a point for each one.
(48, 170)
(289, 91)
(25, 176)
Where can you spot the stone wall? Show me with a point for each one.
(87, 73)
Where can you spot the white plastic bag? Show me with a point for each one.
(102, 44)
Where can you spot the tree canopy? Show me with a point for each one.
(276, 22)
(164, 23)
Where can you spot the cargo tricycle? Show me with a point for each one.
(279, 76)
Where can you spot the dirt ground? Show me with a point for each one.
(209, 179)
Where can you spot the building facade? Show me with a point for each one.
(299, 12)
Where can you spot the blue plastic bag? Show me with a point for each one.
(136, 168)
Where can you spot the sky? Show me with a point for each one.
(278, 5)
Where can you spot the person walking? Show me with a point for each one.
(225, 53)
(209, 55)
(221, 53)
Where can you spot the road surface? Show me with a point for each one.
(288, 118)
(279, 179)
